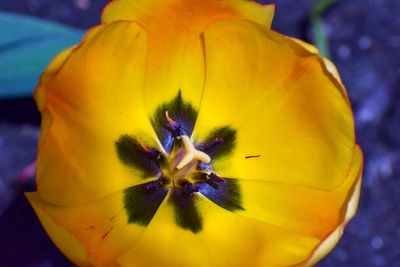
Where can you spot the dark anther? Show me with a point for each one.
(176, 129)
(220, 142)
(211, 146)
(212, 184)
(190, 188)
(134, 153)
(211, 179)
(154, 184)
(215, 178)
(154, 152)
(162, 181)
(171, 121)
(187, 187)
(200, 176)
(175, 132)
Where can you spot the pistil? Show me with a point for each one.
(191, 154)
(181, 168)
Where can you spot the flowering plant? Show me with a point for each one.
(187, 133)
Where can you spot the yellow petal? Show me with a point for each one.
(64, 240)
(39, 93)
(225, 239)
(88, 105)
(328, 64)
(176, 54)
(309, 47)
(326, 246)
(333, 238)
(165, 244)
(52, 68)
(146, 10)
(309, 211)
(293, 123)
(96, 233)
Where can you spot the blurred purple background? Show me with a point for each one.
(364, 37)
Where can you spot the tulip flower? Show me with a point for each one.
(187, 133)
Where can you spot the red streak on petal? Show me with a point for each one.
(106, 234)
(112, 218)
(90, 227)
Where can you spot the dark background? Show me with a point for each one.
(364, 37)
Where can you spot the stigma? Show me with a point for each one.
(185, 167)
(191, 153)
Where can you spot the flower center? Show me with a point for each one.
(186, 160)
(186, 166)
(182, 167)
(182, 164)
(191, 154)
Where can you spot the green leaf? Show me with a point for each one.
(320, 39)
(27, 46)
(316, 17)
(321, 7)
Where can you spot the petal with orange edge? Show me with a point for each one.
(174, 28)
(52, 68)
(292, 122)
(64, 240)
(328, 64)
(39, 93)
(350, 207)
(101, 230)
(90, 105)
(146, 10)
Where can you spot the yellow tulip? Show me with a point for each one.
(187, 133)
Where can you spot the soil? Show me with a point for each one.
(364, 37)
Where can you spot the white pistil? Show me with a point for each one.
(191, 153)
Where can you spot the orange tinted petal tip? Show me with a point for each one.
(142, 9)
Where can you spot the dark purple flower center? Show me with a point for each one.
(179, 171)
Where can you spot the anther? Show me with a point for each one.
(215, 178)
(190, 188)
(152, 151)
(171, 121)
(153, 185)
(211, 146)
(161, 181)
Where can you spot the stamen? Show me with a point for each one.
(152, 151)
(212, 145)
(171, 121)
(179, 130)
(190, 188)
(161, 181)
(191, 154)
(153, 185)
(215, 178)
